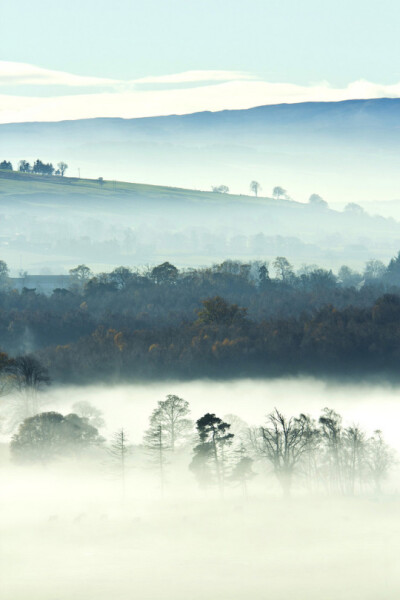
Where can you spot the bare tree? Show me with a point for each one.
(156, 444)
(284, 444)
(118, 452)
(353, 458)
(283, 268)
(380, 458)
(309, 463)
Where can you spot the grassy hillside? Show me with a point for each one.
(15, 183)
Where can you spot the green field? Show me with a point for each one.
(19, 184)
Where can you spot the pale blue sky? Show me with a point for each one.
(296, 41)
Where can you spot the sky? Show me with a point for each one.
(129, 58)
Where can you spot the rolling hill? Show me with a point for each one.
(345, 151)
(50, 224)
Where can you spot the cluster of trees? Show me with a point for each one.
(38, 167)
(319, 455)
(278, 192)
(224, 343)
(233, 319)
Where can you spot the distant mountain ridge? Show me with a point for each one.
(345, 151)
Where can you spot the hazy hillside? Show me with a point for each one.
(345, 151)
(54, 223)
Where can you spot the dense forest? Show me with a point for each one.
(232, 319)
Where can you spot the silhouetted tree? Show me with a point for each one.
(214, 438)
(283, 444)
(165, 273)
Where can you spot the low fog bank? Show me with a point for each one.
(63, 549)
(72, 528)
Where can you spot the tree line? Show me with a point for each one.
(38, 167)
(300, 452)
(229, 320)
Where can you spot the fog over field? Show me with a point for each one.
(68, 531)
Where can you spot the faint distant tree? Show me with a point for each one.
(156, 444)
(348, 277)
(380, 459)
(242, 471)
(354, 209)
(79, 276)
(220, 189)
(255, 187)
(48, 435)
(86, 410)
(100, 181)
(62, 167)
(24, 166)
(119, 451)
(283, 444)
(6, 165)
(332, 438)
(165, 273)
(374, 270)
(353, 458)
(214, 438)
(317, 201)
(171, 414)
(283, 269)
(309, 464)
(279, 192)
